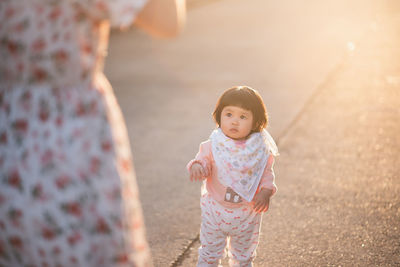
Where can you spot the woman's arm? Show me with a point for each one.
(162, 18)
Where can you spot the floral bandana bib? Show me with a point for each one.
(241, 164)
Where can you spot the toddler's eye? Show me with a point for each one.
(243, 117)
(229, 114)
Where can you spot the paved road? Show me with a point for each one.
(339, 169)
(167, 89)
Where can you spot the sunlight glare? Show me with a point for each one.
(351, 46)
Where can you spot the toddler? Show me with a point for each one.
(236, 166)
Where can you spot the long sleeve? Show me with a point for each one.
(268, 177)
(203, 157)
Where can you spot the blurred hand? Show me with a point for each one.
(261, 200)
(197, 172)
(164, 18)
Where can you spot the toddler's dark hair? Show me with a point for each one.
(246, 98)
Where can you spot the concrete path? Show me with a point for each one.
(167, 90)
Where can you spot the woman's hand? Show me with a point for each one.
(162, 18)
(197, 172)
(261, 200)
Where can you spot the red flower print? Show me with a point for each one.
(39, 74)
(56, 250)
(59, 121)
(101, 6)
(48, 233)
(73, 208)
(39, 9)
(20, 67)
(3, 138)
(38, 193)
(44, 110)
(15, 242)
(9, 13)
(122, 258)
(94, 164)
(26, 96)
(12, 47)
(15, 216)
(14, 180)
(74, 238)
(20, 125)
(63, 181)
(55, 13)
(42, 253)
(2, 199)
(20, 27)
(80, 109)
(102, 227)
(47, 157)
(38, 45)
(60, 56)
(2, 249)
(74, 260)
(105, 146)
(43, 115)
(92, 107)
(87, 48)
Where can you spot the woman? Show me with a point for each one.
(68, 194)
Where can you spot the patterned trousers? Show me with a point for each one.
(236, 229)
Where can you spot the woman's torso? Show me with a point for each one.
(49, 44)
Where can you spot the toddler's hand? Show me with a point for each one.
(197, 172)
(261, 200)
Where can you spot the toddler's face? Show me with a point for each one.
(236, 122)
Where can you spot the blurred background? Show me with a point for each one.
(288, 50)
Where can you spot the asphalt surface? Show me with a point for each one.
(299, 58)
(338, 202)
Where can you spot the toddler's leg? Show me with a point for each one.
(243, 243)
(212, 239)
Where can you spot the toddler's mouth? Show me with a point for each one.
(233, 130)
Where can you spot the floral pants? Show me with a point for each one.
(235, 228)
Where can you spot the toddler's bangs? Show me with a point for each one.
(238, 98)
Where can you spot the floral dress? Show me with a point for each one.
(68, 194)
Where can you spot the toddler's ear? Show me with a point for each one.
(256, 126)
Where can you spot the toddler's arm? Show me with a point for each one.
(267, 188)
(197, 172)
(268, 177)
(200, 167)
(261, 200)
